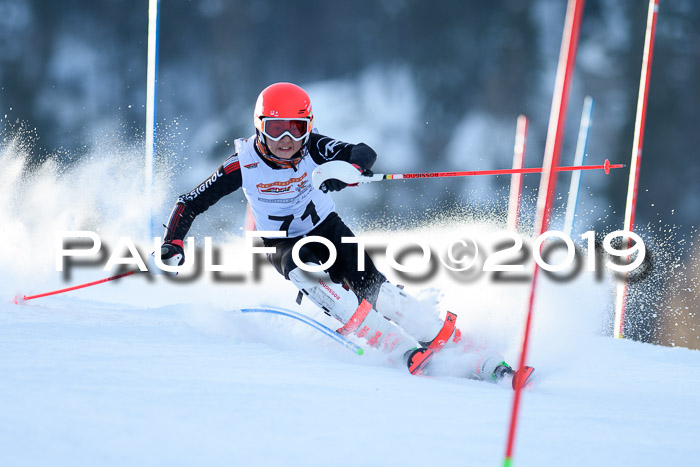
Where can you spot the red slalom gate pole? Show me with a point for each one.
(75, 287)
(516, 181)
(555, 134)
(631, 205)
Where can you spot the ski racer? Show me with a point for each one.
(274, 167)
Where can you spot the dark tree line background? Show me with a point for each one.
(75, 69)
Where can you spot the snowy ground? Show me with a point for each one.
(153, 373)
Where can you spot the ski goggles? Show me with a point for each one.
(276, 128)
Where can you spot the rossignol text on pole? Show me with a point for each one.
(605, 167)
(347, 173)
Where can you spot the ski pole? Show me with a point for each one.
(606, 167)
(75, 287)
(348, 174)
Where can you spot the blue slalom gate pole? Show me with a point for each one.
(581, 144)
(151, 101)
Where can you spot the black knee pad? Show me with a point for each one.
(306, 255)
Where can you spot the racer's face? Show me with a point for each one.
(284, 148)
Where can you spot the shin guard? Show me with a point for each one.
(358, 318)
(418, 319)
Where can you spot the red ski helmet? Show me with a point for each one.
(283, 109)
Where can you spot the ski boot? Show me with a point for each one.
(501, 371)
(447, 332)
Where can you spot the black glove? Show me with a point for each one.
(170, 255)
(168, 251)
(334, 184)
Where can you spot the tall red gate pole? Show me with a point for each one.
(555, 134)
(633, 185)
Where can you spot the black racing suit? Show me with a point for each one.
(322, 149)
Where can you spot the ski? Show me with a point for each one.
(309, 321)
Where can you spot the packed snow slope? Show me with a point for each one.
(151, 371)
(154, 372)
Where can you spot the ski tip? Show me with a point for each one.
(522, 378)
(19, 299)
(417, 360)
(360, 351)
